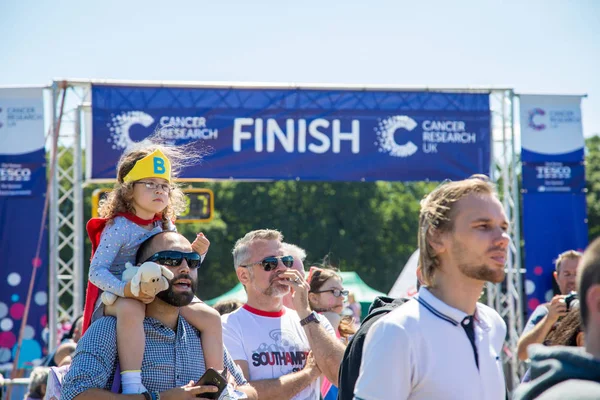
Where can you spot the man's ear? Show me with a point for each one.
(436, 240)
(312, 298)
(555, 274)
(243, 275)
(592, 300)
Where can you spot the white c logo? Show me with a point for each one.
(120, 124)
(386, 130)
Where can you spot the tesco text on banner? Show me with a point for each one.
(308, 134)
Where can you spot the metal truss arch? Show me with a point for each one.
(66, 208)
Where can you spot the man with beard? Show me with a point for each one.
(545, 316)
(443, 344)
(281, 351)
(173, 358)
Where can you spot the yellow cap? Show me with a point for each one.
(154, 165)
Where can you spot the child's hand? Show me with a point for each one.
(144, 298)
(201, 244)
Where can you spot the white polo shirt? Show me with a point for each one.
(421, 351)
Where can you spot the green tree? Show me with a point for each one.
(592, 174)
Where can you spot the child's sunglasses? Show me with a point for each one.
(173, 258)
(270, 263)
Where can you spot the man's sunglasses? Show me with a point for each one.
(173, 258)
(270, 263)
(336, 292)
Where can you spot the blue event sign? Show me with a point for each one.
(554, 176)
(554, 201)
(22, 227)
(308, 134)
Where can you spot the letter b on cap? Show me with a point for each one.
(159, 165)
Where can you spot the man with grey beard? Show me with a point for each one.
(173, 358)
(281, 351)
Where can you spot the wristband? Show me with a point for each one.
(312, 317)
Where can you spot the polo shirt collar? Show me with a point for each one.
(448, 313)
(439, 308)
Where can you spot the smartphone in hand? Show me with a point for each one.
(212, 377)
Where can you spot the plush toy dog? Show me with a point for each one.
(149, 277)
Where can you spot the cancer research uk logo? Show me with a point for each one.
(433, 134)
(540, 119)
(531, 121)
(169, 128)
(385, 136)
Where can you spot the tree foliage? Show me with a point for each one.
(592, 175)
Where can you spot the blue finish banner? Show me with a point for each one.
(554, 203)
(22, 198)
(308, 134)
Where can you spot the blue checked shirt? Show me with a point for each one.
(171, 359)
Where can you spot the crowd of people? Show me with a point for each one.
(294, 338)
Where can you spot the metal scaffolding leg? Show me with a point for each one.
(66, 214)
(507, 298)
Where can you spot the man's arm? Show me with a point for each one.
(326, 347)
(94, 362)
(538, 332)
(286, 386)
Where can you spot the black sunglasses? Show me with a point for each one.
(270, 263)
(173, 258)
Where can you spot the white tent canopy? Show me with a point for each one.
(406, 284)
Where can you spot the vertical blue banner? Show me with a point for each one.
(554, 203)
(22, 197)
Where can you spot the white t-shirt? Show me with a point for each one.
(272, 343)
(421, 351)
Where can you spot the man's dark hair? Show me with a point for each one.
(146, 249)
(588, 275)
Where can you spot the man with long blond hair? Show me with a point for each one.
(444, 344)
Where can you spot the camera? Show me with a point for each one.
(572, 300)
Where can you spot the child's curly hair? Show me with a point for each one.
(119, 200)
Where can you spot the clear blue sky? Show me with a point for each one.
(532, 46)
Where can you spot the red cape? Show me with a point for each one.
(95, 227)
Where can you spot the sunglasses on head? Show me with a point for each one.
(270, 263)
(173, 258)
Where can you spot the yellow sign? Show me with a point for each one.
(200, 205)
